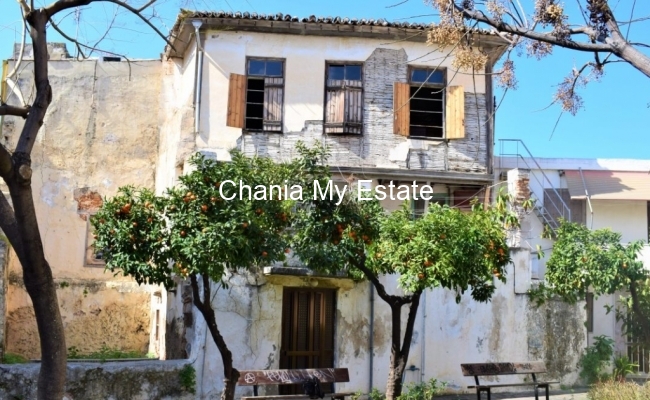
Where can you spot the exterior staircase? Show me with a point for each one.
(549, 205)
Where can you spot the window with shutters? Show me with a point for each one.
(307, 332)
(344, 98)
(264, 95)
(425, 107)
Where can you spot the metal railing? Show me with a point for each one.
(516, 149)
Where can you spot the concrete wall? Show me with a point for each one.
(134, 380)
(305, 61)
(100, 133)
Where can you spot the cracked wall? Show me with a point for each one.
(100, 133)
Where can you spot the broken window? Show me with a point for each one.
(343, 98)
(94, 257)
(425, 107)
(255, 101)
(427, 94)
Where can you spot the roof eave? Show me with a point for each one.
(184, 32)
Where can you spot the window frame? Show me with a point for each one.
(89, 249)
(247, 77)
(442, 86)
(345, 124)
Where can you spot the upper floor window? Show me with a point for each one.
(343, 98)
(255, 101)
(425, 107)
(427, 111)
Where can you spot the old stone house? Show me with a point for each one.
(390, 107)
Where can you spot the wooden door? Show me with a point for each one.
(307, 332)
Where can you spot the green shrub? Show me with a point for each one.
(622, 368)
(187, 376)
(595, 359)
(105, 353)
(422, 391)
(11, 358)
(616, 390)
(376, 395)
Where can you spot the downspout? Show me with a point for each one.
(198, 75)
(371, 338)
(424, 336)
(591, 210)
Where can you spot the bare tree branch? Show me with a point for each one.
(6, 162)
(10, 226)
(6, 109)
(77, 44)
(531, 34)
(61, 5)
(150, 2)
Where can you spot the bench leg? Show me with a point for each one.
(478, 394)
(547, 391)
(536, 392)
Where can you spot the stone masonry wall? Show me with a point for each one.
(379, 146)
(131, 380)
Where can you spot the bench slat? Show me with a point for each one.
(291, 376)
(296, 396)
(536, 367)
(540, 384)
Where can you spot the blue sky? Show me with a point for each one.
(615, 121)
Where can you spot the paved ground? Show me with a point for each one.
(575, 394)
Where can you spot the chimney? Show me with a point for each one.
(55, 51)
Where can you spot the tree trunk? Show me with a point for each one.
(231, 374)
(642, 321)
(400, 348)
(18, 221)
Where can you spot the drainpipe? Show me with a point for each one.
(198, 75)
(424, 336)
(591, 210)
(371, 338)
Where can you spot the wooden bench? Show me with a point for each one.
(257, 378)
(492, 369)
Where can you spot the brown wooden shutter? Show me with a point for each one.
(335, 106)
(455, 113)
(273, 99)
(236, 101)
(401, 108)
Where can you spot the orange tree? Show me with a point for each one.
(194, 232)
(596, 261)
(202, 229)
(445, 248)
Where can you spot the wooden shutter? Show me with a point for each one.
(236, 101)
(335, 106)
(401, 108)
(455, 113)
(273, 96)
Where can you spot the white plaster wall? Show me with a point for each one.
(626, 217)
(177, 136)
(305, 58)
